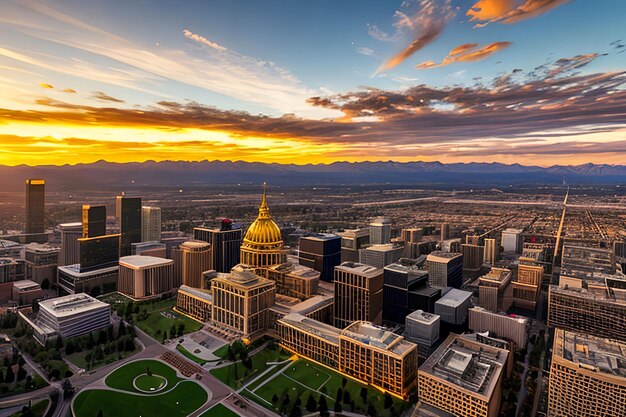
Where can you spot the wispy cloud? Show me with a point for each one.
(204, 41)
(424, 26)
(365, 51)
(46, 85)
(469, 52)
(99, 95)
(509, 11)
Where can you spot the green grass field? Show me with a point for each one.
(156, 323)
(221, 352)
(236, 375)
(173, 401)
(37, 408)
(219, 411)
(190, 355)
(304, 378)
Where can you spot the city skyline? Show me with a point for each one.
(536, 83)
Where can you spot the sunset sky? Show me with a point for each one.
(535, 82)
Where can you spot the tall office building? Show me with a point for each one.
(262, 245)
(528, 285)
(422, 328)
(195, 258)
(472, 257)
(150, 224)
(128, 213)
(242, 302)
(453, 306)
(445, 269)
(70, 248)
(464, 377)
(225, 243)
(351, 241)
(399, 299)
(380, 231)
(98, 252)
(143, 277)
(513, 240)
(491, 252)
(294, 280)
(41, 263)
(510, 327)
(380, 256)
(94, 220)
(445, 231)
(35, 206)
(587, 376)
(358, 294)
(321, 252)
(492, 287)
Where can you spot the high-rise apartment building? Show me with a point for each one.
(527, 287)
(94, 220)
(464, 377)
(363, 350)
(70, 248)
(398, 297)
(41, 264)
(294, 280)
(262, 245)
(492, 287)
(195, 258)
(98, 252)
(351, 241)
(242, 302)
(128, 213)
(453, 306)
(445, 269)
(445, 231)
(35, 206)
(472, 257)
(422, 328)
(513, 240)
(380, 231)
(491, 252)
(358, 294)
(225, 243)
(321, 252)
(150, 224)
(587, 376)
(143, 277)
(380, 256)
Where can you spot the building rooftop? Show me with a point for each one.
(468, 364)
(591, 353)
(423, 317)
(41, 248)
(358, 268)
(289, 305)
(377, 336)
(204, 294)
(441, 256)
(385, 247)
(519, 319)
(380, 221)
(513, 230)
(74, 270)
(244, 276)
(25, 285)
(8, 243)
(296, 269)
(72, 225)
(6, 261)
(71, 304)
(454, 297)
(325, 331)
(142, 261)
(195, 244)
(496, 277)
(322, 236)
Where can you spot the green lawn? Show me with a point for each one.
(122, 378)
(37, 408)
(304, 378)
(174, 400)
(156, 323)
(221, 352)
(78, 359)
(219, 411)
(235, 375)
(190, 355)
(150, 382)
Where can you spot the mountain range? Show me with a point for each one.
(183, 173)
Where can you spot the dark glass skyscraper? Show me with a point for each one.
(128, 213)
(35, 205)
(320, 252)
(225, 243)
(94, 220)
(99, 252)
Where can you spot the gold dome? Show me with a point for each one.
(263, 233)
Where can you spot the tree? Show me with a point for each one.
(388, 401)
(371, 411)
(344, 382)
(10, 376)
(311, 404)
(21, 373)
(338, 408)
(352, 406)
(295, 411)
(148, 371)
(181, 329)
(70, 347)
(59, 343)
(102, 337)
(90, 341)
(98, 353)
(346, 397)
(322, 406)
(121, 331)
(364, 394)
(274, 399)
(100, 414)
(173, 330)
(164, 336)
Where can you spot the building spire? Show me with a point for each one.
(264, 210)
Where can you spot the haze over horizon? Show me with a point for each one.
(508, 81)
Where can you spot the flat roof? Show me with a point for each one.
(74, 270)
(358, 268)
(468, 364)
(71, 304)
(25, 284)
(454, 297)
(384, 247)
(296, 269)
(513, 230)
(204, 294)
(143, 261)
(195, 244)
(592, 353)
(72, 224)
(423, 316)
(441, 256)
(321, 236)
(325, 331)
(519, 319)
(377, 336)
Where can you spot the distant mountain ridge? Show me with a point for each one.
(179, 173)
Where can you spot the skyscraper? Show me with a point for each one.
(262, 245)
(512, 240)
(70, 248)
(320, 252)
(35, 206)
(351, 241)
(225, 243)
(142, 277)
(399, 282)
(195, 258)
(94, 220)
(380, 231)
(128, 213)
(150, 224)
(358, 294)
(445, 269)
(445, 231)
(491, 251)
(472, 257)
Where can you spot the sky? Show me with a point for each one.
(535, 82)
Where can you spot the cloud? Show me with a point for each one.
(424, 26)
(468, 52)
(46, 85)
(564, 65)
(204, 41)
(69, 91)
(509, 11)
(99, 95)
(365, 51)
